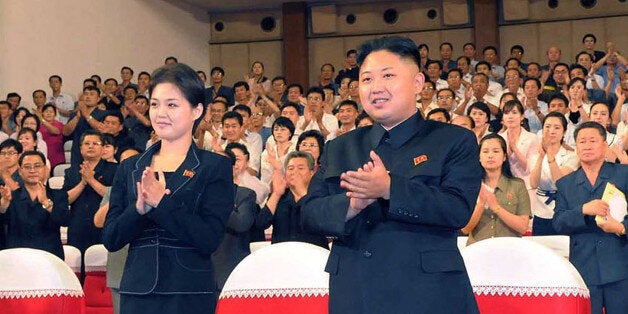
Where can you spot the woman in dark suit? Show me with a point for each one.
(171, 204)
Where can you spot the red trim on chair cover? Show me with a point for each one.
(499, 304)
(43, 305)
(274, 305)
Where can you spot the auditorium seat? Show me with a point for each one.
(515, 275)
(97, 294)
(37, 282)
(73, 258)
(59, 170)
(67, 146)
(293, 281)
(56, 183)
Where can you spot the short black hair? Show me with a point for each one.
(446, 43)
(513, 59)
(284, 122)
(94, 88)
(578, 66)
(55, 76)
(114, 113)
(561, 64)
(482, 63)
(489, 48)
(437, 110)
(143, 73)
(402, 46)
(560, 116)
(423, 46)
(241, 83)
(244, 108)
(131, 87)
(90, 81)
(455, 70)
(14, 94)
(108, 139)
(536, 81)
(469, 44)
(278, 78)
(329, 64)
(31, 153)
(28, 130)
(171, 58)
(480, 106)
(538, 65)
(29, 115)
(17, 112)
(39, 91)
(219, 69)
(465, 58)
(349, 102)
(126, 68)
(98, 78)
(430, 62)
(590, 125)
(589, 35)
(517, 47)
(232, 115)
(316, 135)
(91, 132)
(231, 146)
(351, 51)
(559, 96)
(316, 90)
(361, 117)
(290, 104)
(11, 143)
(296, 85)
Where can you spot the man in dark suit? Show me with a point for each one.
(395, 195)
(217, 89)
(598, 246)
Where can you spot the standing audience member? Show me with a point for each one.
(52, 133)
(86, 117)
(63, 102)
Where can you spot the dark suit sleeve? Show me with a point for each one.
(243, 215)
(568, 217)
(60, 213)
(123, 223)
(264, 219)
(204, 227)
(423, 200)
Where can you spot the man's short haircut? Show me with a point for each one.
(232, 115)
(469, 44)
(535, 64)
(90, 81)
(437, 110)
(559, 96)
(114, 113)
(111, 79)
(478, 74)
(244, 108)
(513, 59)
(349, 102)
(561, 64)
(286, 123)
(316, 90)
(98, 78)
(300, 154)
(420, 46)
(512, 69)
(430, 62)
(517, 47)
(8, 143)
(351, 51)
(401, 46)
(446, 89)
(39, 91)
(482, 63)
(536, 81)
(296, 85)
(329, 64)
(428, 81)
(241, 83)
(218, 101)
(219, 69)
(446, 43)
(131, 87)
(171, 58)
(91, 132)
(466, 58)
(55, 76)
(578, 66)
(94, 88)
(31, 153)
(455, 70)
(489, 48)
(587, 36)
(126, 68)
(471, 122)
(4, 102)
(590, 125)
(143, 73)
(290, 104)
(231, 146)
(14, 94)
(278, 78)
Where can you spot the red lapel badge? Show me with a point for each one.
(188, 173)
(420, 159)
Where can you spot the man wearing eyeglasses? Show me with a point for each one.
(86, 183)
(34, 212)
(314, 116)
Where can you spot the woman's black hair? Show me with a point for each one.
(32, 132)
(319, 138)
(506, 165)
(29, 115)
(284, 122)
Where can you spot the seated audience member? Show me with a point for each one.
(313, 143)
(424, 53)
(235, 245)
(464, 121)
(350, 67)
(52, 133)
(456, 83)
(328, 104)
(512, 83)
(439, 114)
(34, 211)
(597, 240)
(210, 127)
(282, 210)
(514, 63)
(280, 91)
(129, 94)
(559, 103)
(113, 123)
(28, 138)
(434, 72)
(469, 51)
(111, 98)
(253, 139)
(232, 132)
(137, 124)
(446, 49)
(588, 42)
(314, 117)
(428, 101)
(578, 71)
(244, 178)
(7, 117)
(600, 113)
(517, 52)
(326, 77)
(503, 206)
(579, 105)
(85, 184)
(86, 117)
(553, 163)
(143, 81)
(494, 88)
(109, 148)
(217, 89)
(535, 109)
(553, 54)
(10, 151)
(594, 81)
(295, 94)
(479, 93)
(611, 67)
(363, 120)
(523, 146)
(464, 64)
(496, 71)
(343, 92)
(242, 94)
(15, 100)
(256, 124)
(354, 92)
(619, 117)
(347, 113)
(126, 75)
(559, 80)
(481, 116)
(170, 60)
(33, 122)
(497, 123)
(446, 99)
(39, 100)
(275, 154)
(256, 78)
(533, 71)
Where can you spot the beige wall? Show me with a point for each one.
(75, 39)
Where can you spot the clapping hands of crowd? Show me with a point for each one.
(5, 200)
